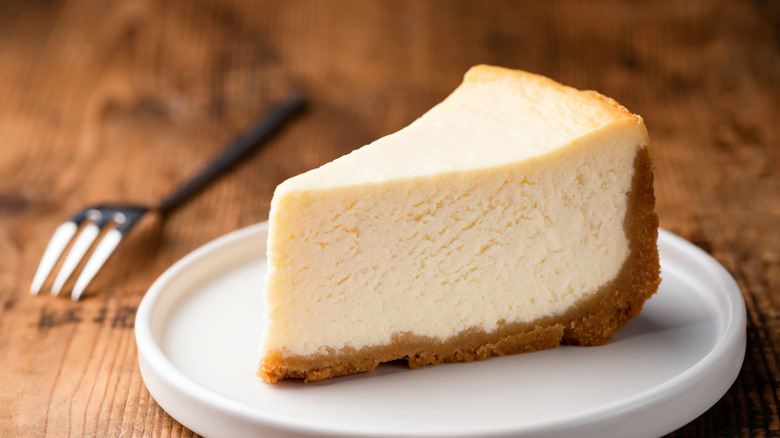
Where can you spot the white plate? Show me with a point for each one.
(198, 331)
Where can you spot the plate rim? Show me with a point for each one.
(152, 359)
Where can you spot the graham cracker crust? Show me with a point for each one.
(591, 321)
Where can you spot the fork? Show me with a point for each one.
(114, 221)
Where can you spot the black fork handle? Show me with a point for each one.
(240, 148)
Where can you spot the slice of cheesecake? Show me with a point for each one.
(517, 215)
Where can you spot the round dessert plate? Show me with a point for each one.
(198, 332)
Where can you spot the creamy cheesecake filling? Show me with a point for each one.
(592, 320)
(532, 237)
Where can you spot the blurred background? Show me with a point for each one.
(123, 100)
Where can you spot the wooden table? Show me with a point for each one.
(123, 100)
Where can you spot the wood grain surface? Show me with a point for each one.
(121, 101)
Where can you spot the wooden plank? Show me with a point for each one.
(123, 101)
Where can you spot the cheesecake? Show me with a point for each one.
(516, 215)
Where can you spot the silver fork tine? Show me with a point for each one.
(80, 247)
(59, 241)
(103, 250)
(83, 242)
(124, 217)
